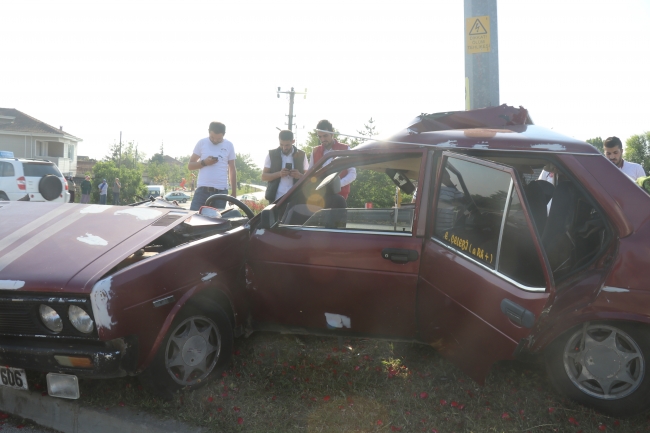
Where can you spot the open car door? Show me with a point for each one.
(483, 278)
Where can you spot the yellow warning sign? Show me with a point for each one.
(477, 35)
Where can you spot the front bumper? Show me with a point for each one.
(115, 358)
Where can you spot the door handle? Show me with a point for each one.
(398, 255)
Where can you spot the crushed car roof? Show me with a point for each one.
(502, 128)
(52, 243)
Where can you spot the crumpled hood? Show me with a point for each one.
(65, 248)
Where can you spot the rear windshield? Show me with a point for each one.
(40, 170)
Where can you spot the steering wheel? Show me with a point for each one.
(249, 213)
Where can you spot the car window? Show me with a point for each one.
(6, 169)
(473, 198)
(383, 205)
(471, 202)
(40, 170)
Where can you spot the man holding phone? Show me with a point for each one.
(283, 167)
(214, 157)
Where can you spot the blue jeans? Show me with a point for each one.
(201, 195)
(102, 198)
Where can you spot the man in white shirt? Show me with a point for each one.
(614, 152)
(214, 157)
(283, 167)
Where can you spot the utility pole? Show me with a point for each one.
(481, 54)
(292, 93)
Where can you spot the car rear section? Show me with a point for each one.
(42, 181)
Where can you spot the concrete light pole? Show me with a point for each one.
(481, 54)
(291, 93)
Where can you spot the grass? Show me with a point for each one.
(285, 383)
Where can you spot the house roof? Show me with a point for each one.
(12, 120)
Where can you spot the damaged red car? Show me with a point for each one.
(489, 238)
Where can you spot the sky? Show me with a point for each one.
(161, 71)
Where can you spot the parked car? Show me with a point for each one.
(249, 197)
(156, 190)
(30, 179)
(179, 196)
(478, 266)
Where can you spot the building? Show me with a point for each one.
(28, 137)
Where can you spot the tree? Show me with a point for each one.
(597, 143)
(247, 170)
(637, 149)
(371, 186)
(130, 178)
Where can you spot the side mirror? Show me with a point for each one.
(268, 218)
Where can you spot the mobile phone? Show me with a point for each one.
(288, 166)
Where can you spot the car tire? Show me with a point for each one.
(608, 372)
(50, 187)
(3, 196)
(196, 349)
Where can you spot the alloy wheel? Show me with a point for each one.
(604, 362)
(192, 350)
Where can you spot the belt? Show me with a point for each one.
(212, 189)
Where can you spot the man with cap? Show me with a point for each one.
(328, 143)
(103, 190)
(86, 186)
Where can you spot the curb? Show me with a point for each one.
(70, 417)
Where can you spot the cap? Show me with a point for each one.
(104, 180)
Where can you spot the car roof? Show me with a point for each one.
(501, 128)
(28, 160)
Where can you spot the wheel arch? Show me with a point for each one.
(204, 299)
(541, 340)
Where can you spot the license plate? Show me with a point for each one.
(13, 377)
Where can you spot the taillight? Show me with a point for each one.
(66, 185)
(22, 184)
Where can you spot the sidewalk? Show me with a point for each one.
(70, 417)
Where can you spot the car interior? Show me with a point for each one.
(473, 200)
(318, 205)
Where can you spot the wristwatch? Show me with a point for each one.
(203, 163)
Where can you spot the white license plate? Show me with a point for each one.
(13, 377)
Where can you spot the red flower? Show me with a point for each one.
(219, 409)
(335, 349)
(434, 430)
(240, 420)
(3, 415)
(236, 409)
(357, 368)
(273, 398)
(394, 428)
(443, 402)
(505, 416)
(573, 421)
(210, 399)
(378, 369)
(20, 426)
(380, 422)
(617, 423)
(121, 403)
(454, 404)
(602, 427)
(424, 395)
(461, 406)
(237, 352)
(551, 409)
(326, 398)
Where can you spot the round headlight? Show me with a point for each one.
(80, 319)
(51, 318)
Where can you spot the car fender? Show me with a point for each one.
(192, 296)
(631, 308)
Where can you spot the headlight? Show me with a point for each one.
(51, 319)
(80, 319)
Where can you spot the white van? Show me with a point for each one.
(156, 190)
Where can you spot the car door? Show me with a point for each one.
(483, 280)
(330, 266)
